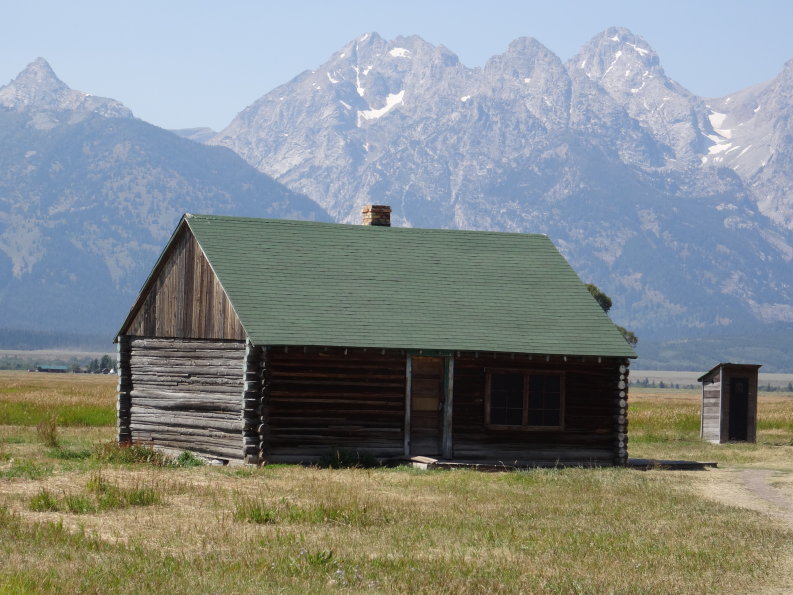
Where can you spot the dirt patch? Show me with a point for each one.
(766, 491)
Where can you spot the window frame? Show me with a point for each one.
(526, 374)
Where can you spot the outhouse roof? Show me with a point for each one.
(706, 376)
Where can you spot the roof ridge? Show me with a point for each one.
(208, 216)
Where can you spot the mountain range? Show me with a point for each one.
(679, 207)
(89, 195)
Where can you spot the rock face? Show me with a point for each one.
(37, 89)
(89, 195)
(752, 134)
(616, 162)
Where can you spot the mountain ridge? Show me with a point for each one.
(89, 195)
(681, 211)
(605, 153)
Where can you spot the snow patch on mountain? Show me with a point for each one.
(399, 53)
(393, 100)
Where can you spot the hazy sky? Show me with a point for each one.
(185, 63)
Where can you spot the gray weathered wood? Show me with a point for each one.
(188, 394)
(448, 398)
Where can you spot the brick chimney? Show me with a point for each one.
(377, 215)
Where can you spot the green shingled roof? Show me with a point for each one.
(307, 283)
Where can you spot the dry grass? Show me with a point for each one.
(664, 424)
(395, 531)
(294, 529)
(30, 398)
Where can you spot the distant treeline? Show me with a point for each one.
(660, 384)
(28, 340)
(70, 362)
(645, 383)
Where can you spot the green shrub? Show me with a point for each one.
(319, 514)
(43, 502)
(344, 458)
(26, 469)
(321, 558)
(79, 504)
(254, 511)
(251, 510)
(47, 432)
(65, 454)
(141, 496)
(188, 459)
(110, 496)
(129, 453)
(100, 495)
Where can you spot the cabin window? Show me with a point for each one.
(524, 400)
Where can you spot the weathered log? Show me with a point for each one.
(151, 343)
(219, 452)
(189, 404)
(162, 430)
(190, 419)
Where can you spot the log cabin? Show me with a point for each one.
(261, 340)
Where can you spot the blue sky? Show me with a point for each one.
(184, 63)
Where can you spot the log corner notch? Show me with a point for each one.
(124, 403)
(252, 411)
(621, 417)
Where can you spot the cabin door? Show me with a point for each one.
(739, 408)
(427, 389)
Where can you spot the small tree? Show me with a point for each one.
(601, 298)
(604, 302)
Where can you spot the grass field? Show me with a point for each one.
(78, 515)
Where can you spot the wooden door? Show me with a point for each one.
(426, 405)
(739, 408)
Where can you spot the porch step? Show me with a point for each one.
(659, 464)
(423, 462)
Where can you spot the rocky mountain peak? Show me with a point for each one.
(619, 60)
(628, 69)
(531, 72)
(39, 74)
(38, 89)
(35, 84)
(522, 56)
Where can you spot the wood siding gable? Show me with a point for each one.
(183, 297)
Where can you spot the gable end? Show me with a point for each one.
(183, 297)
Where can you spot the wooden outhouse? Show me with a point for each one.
(265, 340)
(729, 403)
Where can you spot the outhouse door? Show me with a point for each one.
(739, 408)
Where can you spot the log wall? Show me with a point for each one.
(124, 389)
(188, 395)
(595, 413)
(317, 399)
(252, 410)
(185, 298)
